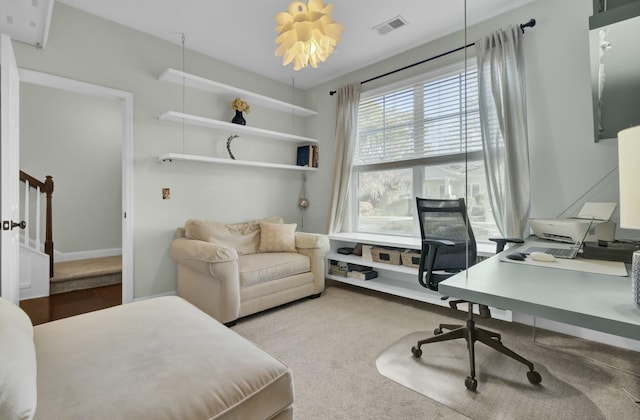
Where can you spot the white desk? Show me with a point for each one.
(595, 301)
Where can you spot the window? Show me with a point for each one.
(411, 142)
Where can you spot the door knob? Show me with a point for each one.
(10, 225)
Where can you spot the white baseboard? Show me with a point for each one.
(171, 293)
(600, 337)
(59, 256)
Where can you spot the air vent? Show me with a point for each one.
(390, 25)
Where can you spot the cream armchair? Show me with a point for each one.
(234, 270)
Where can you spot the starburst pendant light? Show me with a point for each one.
(306, 33)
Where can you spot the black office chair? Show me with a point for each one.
(449, 247)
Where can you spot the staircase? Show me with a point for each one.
(86, 274)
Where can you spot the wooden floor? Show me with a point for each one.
(64, 305)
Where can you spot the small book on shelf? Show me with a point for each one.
(304, 155)
(363, 275)
(307, 156)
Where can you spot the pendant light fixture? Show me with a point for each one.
(307, 34)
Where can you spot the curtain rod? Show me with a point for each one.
(530, 24)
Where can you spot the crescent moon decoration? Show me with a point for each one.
(229, 145)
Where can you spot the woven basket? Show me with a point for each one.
(410, 258)
(386, 255)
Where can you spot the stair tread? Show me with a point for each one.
(92, 267)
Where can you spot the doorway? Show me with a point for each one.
(124, 103)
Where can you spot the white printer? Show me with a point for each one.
(594, 217)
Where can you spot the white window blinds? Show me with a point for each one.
(423, 120)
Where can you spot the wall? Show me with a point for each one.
(86, 48)
(567, 167)
(77, 140)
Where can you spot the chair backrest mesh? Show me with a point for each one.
(447, 219)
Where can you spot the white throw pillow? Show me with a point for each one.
(277, 237)
(18, 392)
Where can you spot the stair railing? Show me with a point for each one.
(46, 188)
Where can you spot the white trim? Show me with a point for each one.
(171, 293)
(47, 24)
(57, 82)
(60, 256)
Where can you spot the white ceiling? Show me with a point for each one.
(242, 32)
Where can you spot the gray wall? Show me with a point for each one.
(86, 48)
(567, 167)
(566, 164)
(77, 139)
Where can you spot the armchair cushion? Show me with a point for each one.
(262, 268)
(243, 237)
(277, 237)
(17, 363)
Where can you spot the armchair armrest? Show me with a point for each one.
(183, 249)
(207, 276)
(305, 240)
(315, 246)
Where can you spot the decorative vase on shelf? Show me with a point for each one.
(239, 118)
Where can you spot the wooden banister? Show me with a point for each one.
(46, 188)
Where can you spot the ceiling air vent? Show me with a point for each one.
(390, 25)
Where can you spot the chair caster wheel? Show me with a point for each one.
(534, 377)
(471, 383)
(437, 331)
(417, 351)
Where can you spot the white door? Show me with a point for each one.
(9, 161)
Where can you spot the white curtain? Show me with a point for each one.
(346, 134)
(501, 86)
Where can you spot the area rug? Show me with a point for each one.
(503, 389)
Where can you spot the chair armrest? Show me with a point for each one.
(427, 261)
(184, 250)
(501, 242)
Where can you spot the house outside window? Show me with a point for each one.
(411, 142)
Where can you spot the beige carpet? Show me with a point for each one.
(86, 274)
(70, 270)
(503, 389)
(334, 343)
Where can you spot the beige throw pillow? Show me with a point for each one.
(243, 237)
(277, 237)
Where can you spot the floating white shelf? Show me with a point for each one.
(207, 159)
(197, 82)
(234, 128)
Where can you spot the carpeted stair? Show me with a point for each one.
(86, 274)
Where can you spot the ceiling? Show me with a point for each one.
(242, 32)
